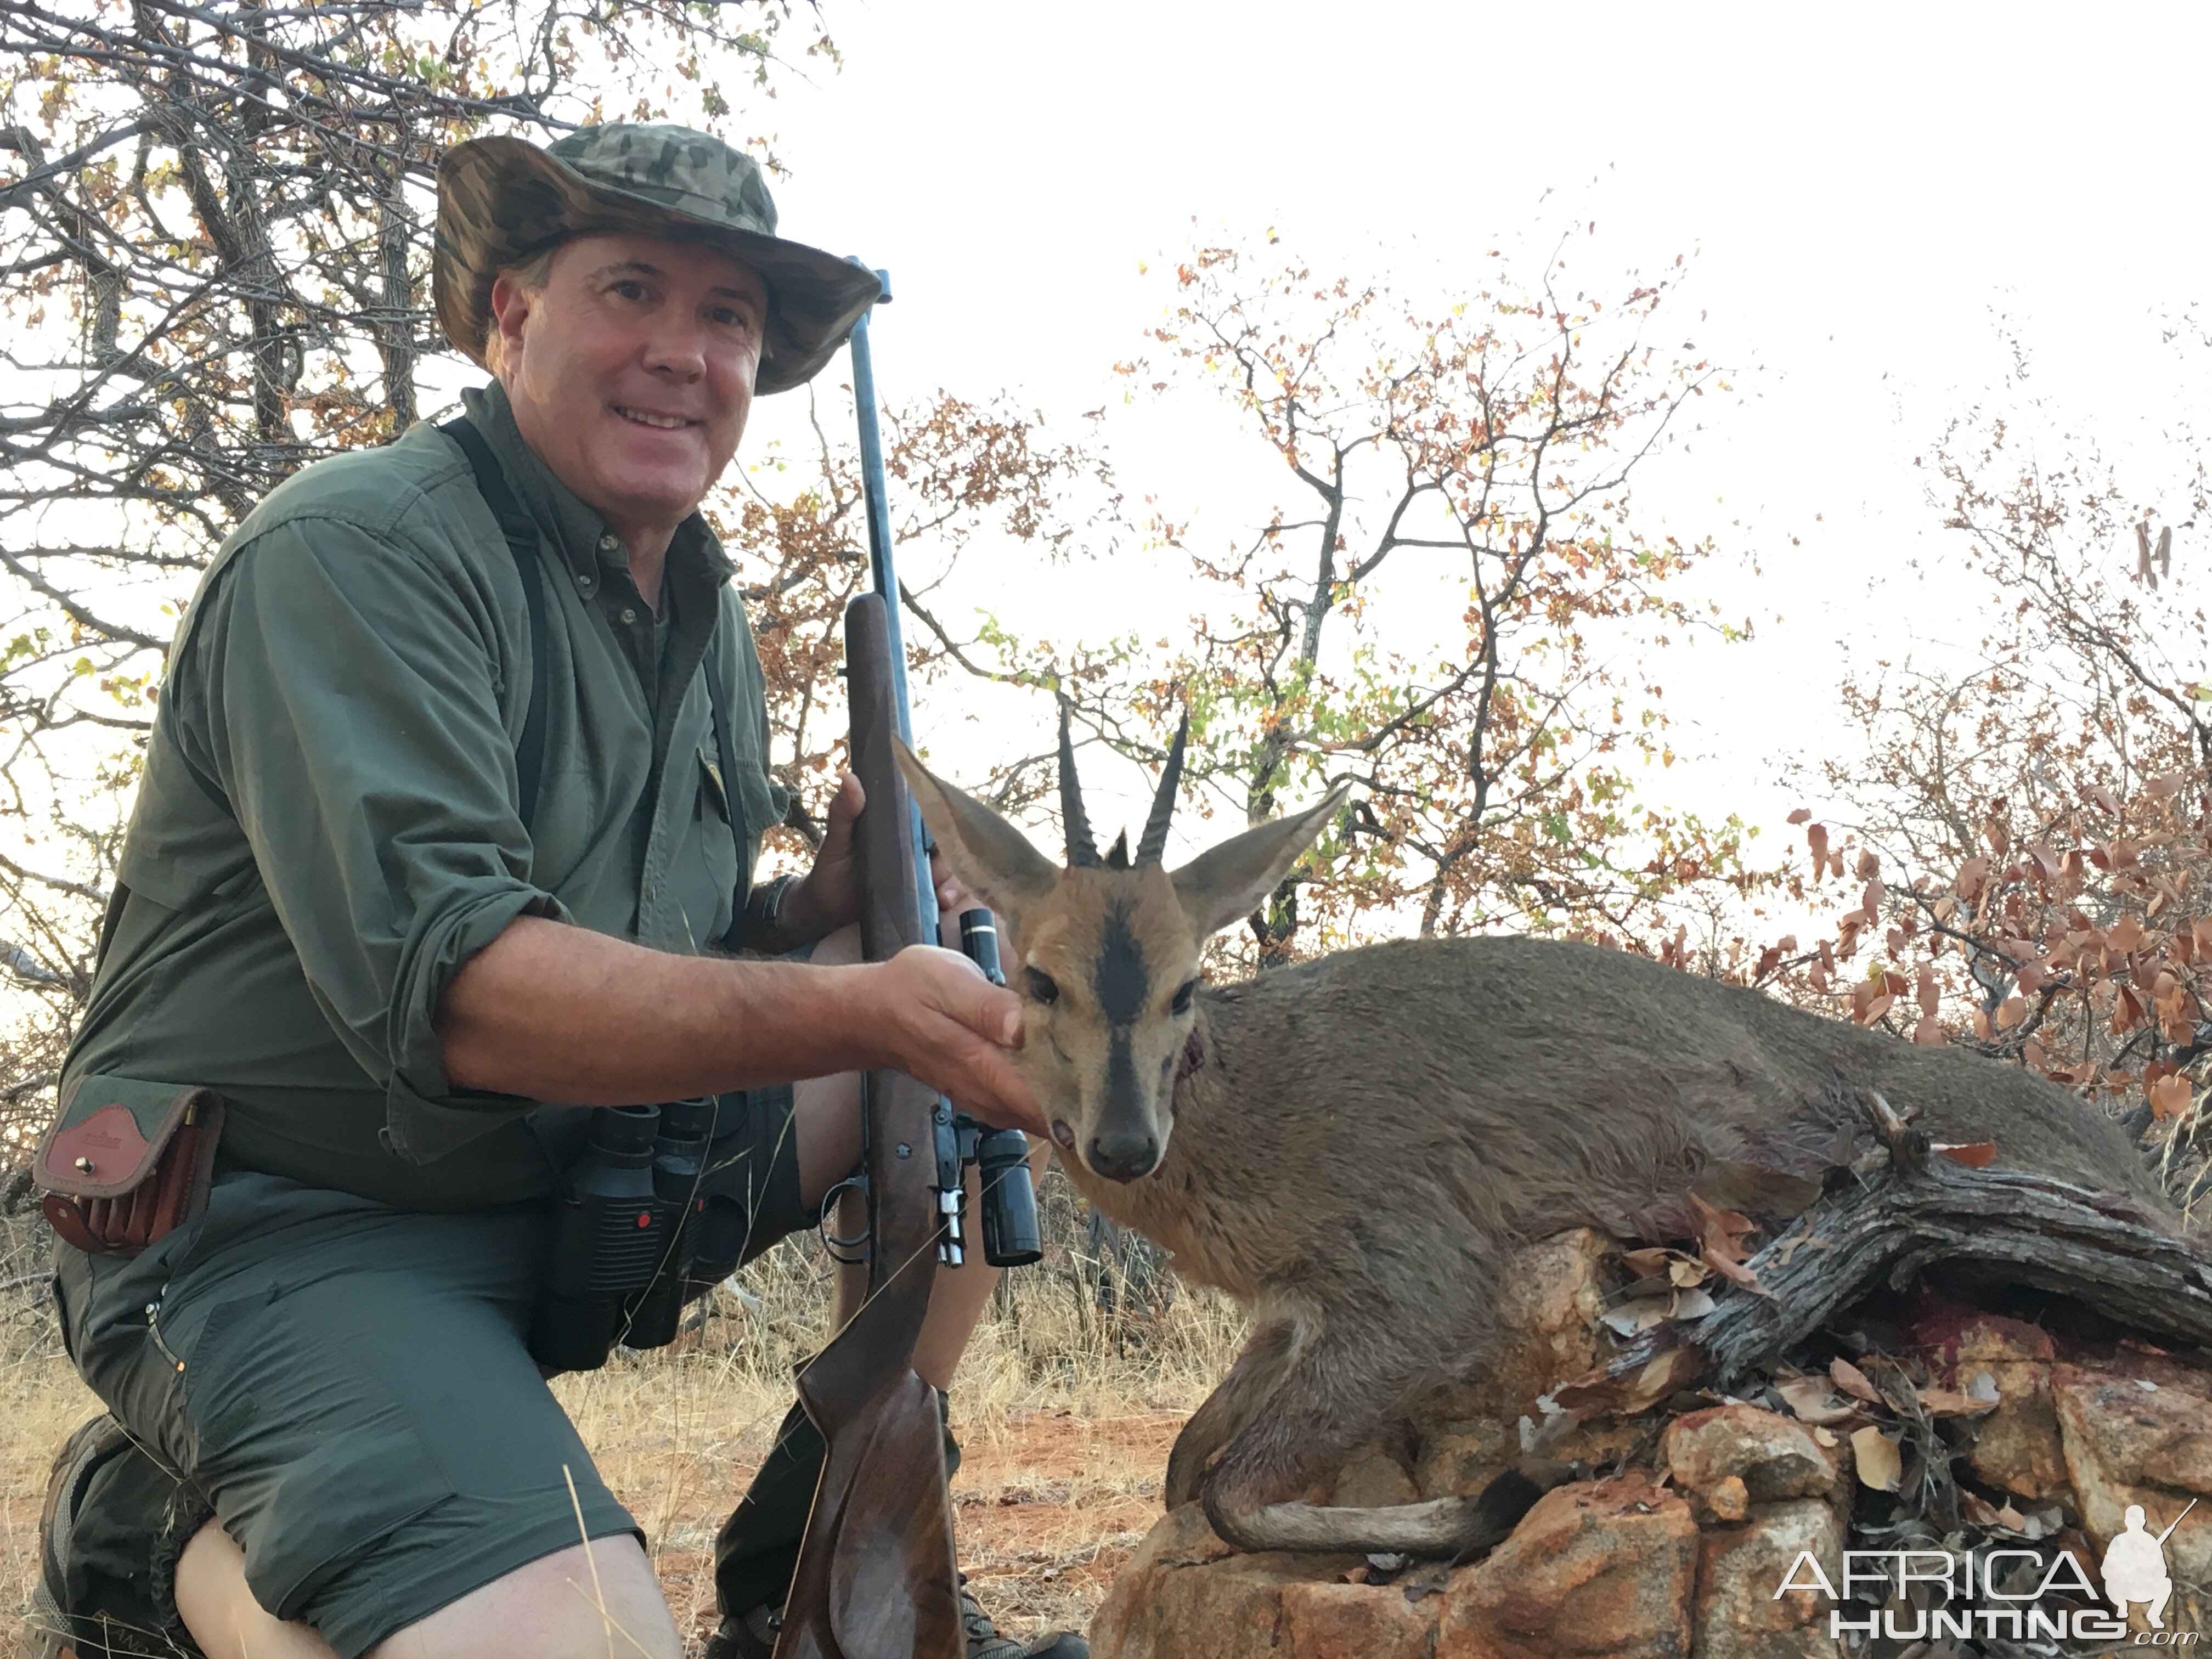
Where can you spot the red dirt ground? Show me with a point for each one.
(1047, 1507)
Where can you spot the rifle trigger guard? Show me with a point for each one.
(846, 1252)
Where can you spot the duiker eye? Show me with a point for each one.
(1041, 986)
(1183, 996)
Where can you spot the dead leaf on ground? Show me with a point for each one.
(1875, 1454)
(1810, 1401)
(1634, 1318)
(1595, 1394)
(1646, 1262)
(1735, 1272)
(1721, 1231)
(1853, 1381)
(1945, 1402)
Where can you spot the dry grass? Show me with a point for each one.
(1064, 1409)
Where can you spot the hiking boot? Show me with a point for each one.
(108, 1539)
(753, 1637)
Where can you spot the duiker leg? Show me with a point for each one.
(1334, 1392)
(1251, 1379)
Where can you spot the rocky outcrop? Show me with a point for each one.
(1673, 1531)
(1601, 1568)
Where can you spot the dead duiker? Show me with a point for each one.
(1354, 1146)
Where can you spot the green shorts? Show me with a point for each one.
(346, 1385)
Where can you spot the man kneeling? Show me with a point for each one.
(452, 807)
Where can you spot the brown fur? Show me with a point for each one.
(1353, 1147)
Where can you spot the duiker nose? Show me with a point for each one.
(1123, 1157)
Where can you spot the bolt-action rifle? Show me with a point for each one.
(875, 1578)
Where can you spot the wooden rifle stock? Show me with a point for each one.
(876, 1578)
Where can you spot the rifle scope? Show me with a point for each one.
(1011, 1237)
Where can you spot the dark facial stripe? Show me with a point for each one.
(1121, 1091)
(1118, 979)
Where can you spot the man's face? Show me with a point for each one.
(631, 373)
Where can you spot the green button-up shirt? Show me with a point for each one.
(328, 827)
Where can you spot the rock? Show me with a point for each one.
(1372, 1482)
(1356, 1621)
(1738, 1615)
(1457, 1460)
(1228, 1609)
(1592, 1570)
(1728, 1501)
(1550, 1297)
(1180, 1539)
(2016, 1447)
(1774, 1457)
(2126, 1444)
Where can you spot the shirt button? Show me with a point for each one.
(583, 581)
(608, 543)
(628, 615)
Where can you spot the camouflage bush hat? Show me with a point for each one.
(502, 200)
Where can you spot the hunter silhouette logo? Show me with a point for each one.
(2133, 1568)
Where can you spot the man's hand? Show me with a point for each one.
(829, 896)
(950, 1027)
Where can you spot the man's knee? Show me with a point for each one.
(568, 1605)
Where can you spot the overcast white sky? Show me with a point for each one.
(1865, 190)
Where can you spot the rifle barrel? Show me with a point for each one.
(885, 572)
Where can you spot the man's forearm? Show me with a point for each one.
(559, 1013)
(555, 1012)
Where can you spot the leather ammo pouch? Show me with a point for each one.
(125, 1161)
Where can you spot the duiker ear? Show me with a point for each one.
(1229, 881)
(993, 859)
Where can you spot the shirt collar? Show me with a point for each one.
(578, 534)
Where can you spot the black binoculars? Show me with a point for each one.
(628, 1246)
(628, 1236)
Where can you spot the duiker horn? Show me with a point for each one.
(1152, 845)
(1082, 851)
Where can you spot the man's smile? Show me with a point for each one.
(643, 418)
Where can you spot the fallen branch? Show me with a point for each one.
(1888, 1223)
